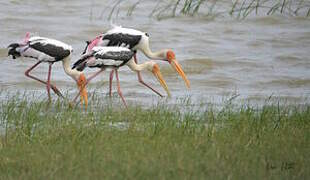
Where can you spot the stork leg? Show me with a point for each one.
(141, 80)
(87, 81)
(119, 89)
(110, 83)
(48, 85)
(54, 88)
(93, 76)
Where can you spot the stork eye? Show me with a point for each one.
(147, 34)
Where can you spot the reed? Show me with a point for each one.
(239, 9)
(236, 8)
(157, 142)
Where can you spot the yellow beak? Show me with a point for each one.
(81, 83)
(175, 64)
(157, 74)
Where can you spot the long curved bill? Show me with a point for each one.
(157, 74)
(175, 64)
(81, 83)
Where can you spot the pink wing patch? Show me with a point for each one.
(96, 42)
(26, 38)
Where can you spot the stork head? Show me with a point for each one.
(170, 57)
(154, 68)
(81, 84)
(12, 50)
(91, 44)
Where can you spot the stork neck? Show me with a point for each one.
(70, 72)
(154, 55)
(139, 67)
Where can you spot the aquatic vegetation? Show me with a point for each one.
(288, 7)
(236, 8)
(213, 8)
(158, 142)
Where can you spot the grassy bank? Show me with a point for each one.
(152, 143)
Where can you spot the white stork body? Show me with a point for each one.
(135, 40)
(46, 50)
(122, 37)
(104, 57)
(115, 57)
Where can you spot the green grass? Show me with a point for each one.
(158, 142)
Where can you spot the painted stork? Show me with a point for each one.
(135, 40)
(50, 51)
(115, 57)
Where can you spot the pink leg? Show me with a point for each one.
(142, 82)
(110, 83)
(48, 85)
(93, 76)
(87, 81)
(54, 88)
(119, 88)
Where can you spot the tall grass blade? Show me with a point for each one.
(282, 7)
(256, 7)
(249, 9)
(113, 9)
(132, 8)
(175, 8)
(233, 7)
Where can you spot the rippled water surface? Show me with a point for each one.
(254, 58)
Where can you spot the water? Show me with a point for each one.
(253, 59)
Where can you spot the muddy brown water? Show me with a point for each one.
(254, 58)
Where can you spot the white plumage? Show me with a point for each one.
(104, 49)
(119, 29)
(44, 49)
(104, 57)
(45, 41)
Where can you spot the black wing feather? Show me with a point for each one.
(120, 38)
(54, 51)
(124, 56)
(118, 56)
